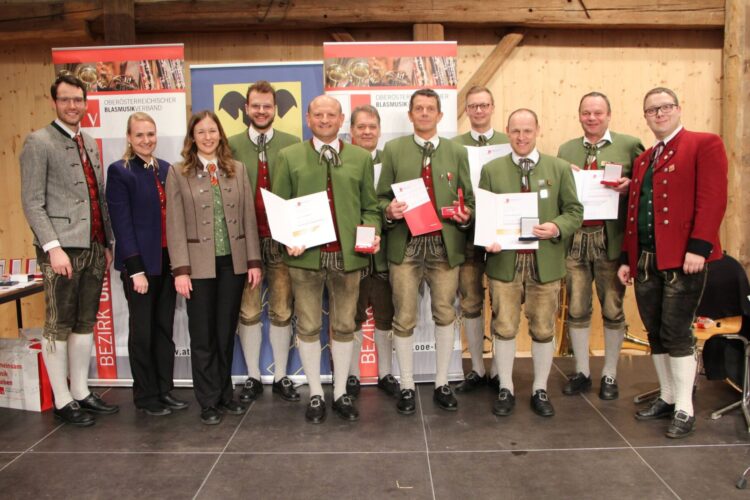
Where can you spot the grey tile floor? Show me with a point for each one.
(590, 449)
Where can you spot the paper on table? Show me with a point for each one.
(479, 156)
(599, 201)
(304, 221)
(498, 218)
(420, 215)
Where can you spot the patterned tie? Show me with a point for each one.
(262, 147)
(527, 165)
(591, 150)
(427, 151)
(330, 156)
(658, 149)
(212, 173)
(482, 140)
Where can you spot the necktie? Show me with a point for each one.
(212, 173)
(262, 147)
(526, 167)
(482, 140)
(591, 150)
(427, 151)
(656, 153)
(330, 156)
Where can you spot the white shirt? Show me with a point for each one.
(670, 136)
(606, 138)
(487, 135)
(533, 156)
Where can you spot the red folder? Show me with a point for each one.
(422, 220)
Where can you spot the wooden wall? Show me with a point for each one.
(547, 72)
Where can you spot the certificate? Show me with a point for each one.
(420, 215)
(599, 201)
(300, 222)
(498, 219)
(479, 156)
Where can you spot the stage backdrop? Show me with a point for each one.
(385, 75)
(121, 81)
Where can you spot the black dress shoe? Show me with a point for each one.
(232, 407)
(608, 390)
(445, 399)
(344, 408)
(93, 403)
(682, 425)
(316, 410)
(72, 414)
(504, 403)
(172, 402)
(494, 382)
(472, 381)
(352, 386)
(284, 387)
(657, 409)
(251, 390)
(577, 384)
(211, 416)
(154, 409)
(541, 405)
(390, 385)
(407, 403)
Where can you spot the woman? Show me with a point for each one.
(213, 244)
(135, 193)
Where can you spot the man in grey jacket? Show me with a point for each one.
(62, 190)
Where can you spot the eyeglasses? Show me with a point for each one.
(261, 107)
(664, 108)
(480, 107)
(75, 100)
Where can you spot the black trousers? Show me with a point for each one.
(150, 344)
(213, 311)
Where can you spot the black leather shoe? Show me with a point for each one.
(541, 405)
(504, 404)
(72, 414)
(494, 382)
(657, 409)
(390, 385)
(682, 425)
(154, 409)
(316, 410)
(445, 399)
(232, 407)
(172, 402)
(352, 386)
(344, 408)
(211, 416)
(407, 403)
(577, 384)
(284, 387)
(472, 381)
(93, 403)
(251, 390)
(608, 390)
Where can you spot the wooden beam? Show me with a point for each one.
(735, 114)
(118, 19)
(489, 67)
(48, 21)
(341, 36)
(428, 32)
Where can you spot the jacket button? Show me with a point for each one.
(630, 233)
(632, 207)
(632, 219)
(664, 181)
(205, 222)
(664, 195)
(666, 221)
(665, 209)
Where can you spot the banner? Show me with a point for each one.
(120, 81)
(385, 75)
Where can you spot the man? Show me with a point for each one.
(374, 287)
(676, 204)
(594, 256)
(345, 172)
(443, 165)
(529, 276)
(480, 106)
(258, 148)
(62, 190)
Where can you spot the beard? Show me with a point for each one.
(256, 126)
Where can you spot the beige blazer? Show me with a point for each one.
(190, 222)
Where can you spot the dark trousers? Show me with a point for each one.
(150, 344)
(213, 311)
(667, 301)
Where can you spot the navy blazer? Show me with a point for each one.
(136, 215)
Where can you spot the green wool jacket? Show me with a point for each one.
(467, 140)
(299, 173)
(561, 206)
(623, 149)
(246, 151)
(402, 161)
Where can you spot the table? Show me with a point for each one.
(17, 292)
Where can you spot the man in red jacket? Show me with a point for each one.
(677, 199)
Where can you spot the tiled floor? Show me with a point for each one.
(590, 449)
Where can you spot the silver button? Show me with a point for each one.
(664, 181)
(666, 221)
(665, 209)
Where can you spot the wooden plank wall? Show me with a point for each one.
(548, 72)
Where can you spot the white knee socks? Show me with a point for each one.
(579, 339)
(474, 331)
(251, 337)
(505, 355)
(444, 337)
(79, 360)
(541, 353)
(612, 346)
(309, 353)
(55, 354)
(281, 337)
(342, 357)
